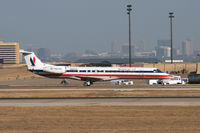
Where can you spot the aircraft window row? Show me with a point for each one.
(82, 71)
(114, 71)
(71, 70)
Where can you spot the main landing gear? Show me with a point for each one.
(64, 82)
(87, 83)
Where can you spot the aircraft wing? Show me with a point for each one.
(86, 78)
(94, 79)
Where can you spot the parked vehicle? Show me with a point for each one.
(152, 82)
(174, 80)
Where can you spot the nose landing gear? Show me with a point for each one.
(87, 83)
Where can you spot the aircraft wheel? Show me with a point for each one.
(87, 83)
(64, 81)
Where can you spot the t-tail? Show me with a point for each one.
(35, 65)
(32, 61)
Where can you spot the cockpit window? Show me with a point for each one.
(158, 71)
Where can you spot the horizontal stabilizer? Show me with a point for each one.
(25, 52)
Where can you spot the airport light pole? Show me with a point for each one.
(171, 15)
(129, 16)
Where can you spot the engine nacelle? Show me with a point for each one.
(54, 69)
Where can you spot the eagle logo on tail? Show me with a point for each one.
(32, 61)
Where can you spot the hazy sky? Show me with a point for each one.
(75, 25)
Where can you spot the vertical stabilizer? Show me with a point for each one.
(32, 61)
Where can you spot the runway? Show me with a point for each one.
(35, 89)
(108, 101)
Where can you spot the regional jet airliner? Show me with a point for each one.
(90, 74)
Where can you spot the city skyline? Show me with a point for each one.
(74, 26)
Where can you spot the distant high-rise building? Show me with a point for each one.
(163, 51)
(163, 48)
(164, 43)
(44, 53)
(125, 49)
(114, 47)
(177, 52)
(187, 47)
(9, 52)
(141, 46)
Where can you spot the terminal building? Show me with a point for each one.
(9, 52)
